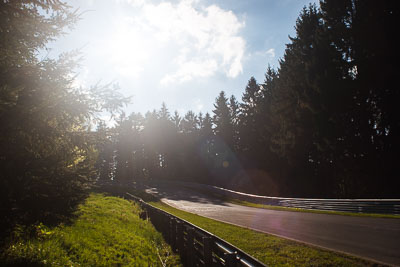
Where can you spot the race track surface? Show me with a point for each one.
(373, 238)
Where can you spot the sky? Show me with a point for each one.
(181, 52)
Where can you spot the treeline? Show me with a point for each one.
(323, 124)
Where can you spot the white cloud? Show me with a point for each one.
(262, 53)
(206, 39)
(270, 53)
(199, 105)
(190, 69)
(135, 3)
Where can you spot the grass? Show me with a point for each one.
(272, 250)
(107, 231)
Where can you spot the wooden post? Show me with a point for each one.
(190, 246)
(230, 259)
(207, 250)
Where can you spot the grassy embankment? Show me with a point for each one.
(270, 249)
(107, 231)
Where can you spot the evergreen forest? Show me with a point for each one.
(323, 124)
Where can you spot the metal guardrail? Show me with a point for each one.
(379, 206)
(196, 246)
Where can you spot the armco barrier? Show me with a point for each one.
(380, 206)
(196, 246)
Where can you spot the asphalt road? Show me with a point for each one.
(373, 238)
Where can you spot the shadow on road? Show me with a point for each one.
(176, 192)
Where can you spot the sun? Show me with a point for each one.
(130, 48)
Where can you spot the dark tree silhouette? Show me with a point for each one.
(47, 149)
(223, 120)
(324, 124)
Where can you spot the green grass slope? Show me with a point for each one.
(270, 249)
(107, 231)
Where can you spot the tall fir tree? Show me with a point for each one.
(248, 111)
(234, 114)
(223, 120)
(47, 150)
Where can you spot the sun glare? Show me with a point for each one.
(130, 49)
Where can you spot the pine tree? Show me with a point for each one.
(303, 104)
(163, 114)
(176, 120)
(364, 33)
(164, 138)
(105, 151)
(207, 128)
(223, 120)
(326, 107)
(190, 123)
(248, 113)
(234, 114)
(47, 150)
(124, 149)
(200, 120)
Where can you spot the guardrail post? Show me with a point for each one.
(160, 222)
(173, 233)
(207, 251)
(164, 224)
(143, 214)
(180, 240)
(155, 219)
(230, 259)
(167, 228)
(190, 246)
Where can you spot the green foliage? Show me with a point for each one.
(107, 231)
(47, 150)
(156, 146)
(324, 124)
(316, 125)
(330, 109)
(189, 122)
(223, 119)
